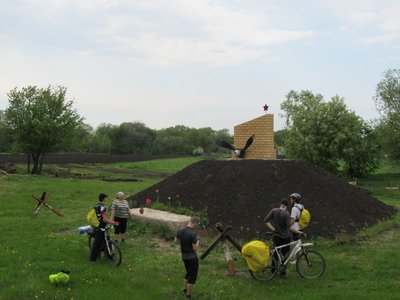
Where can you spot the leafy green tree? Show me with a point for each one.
(172, 141)
(279, 140)
(387, 95)
(327, 133)
(279, 137)
(100, 142)
(5, 139)
(40, 121)
(137, 138)
(387, 99)
(126, 138)
(182, 140)
(222, 135)
(201, 137)
(132, 138)
(80, 141)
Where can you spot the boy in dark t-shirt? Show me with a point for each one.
(189, 242)
(101, 214)
(278, 220)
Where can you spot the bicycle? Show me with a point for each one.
(309, 263)
(111, 250)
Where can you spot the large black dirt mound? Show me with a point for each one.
(241, 193)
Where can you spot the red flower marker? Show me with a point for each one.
(148, 201)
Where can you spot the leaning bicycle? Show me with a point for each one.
(309, 263)
(110, 250)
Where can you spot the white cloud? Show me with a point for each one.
(86, 53)
(384, 38)
(180, 31)
(168, 32)
(378, 19)
(362, 18)
(388, 59)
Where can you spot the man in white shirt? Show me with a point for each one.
(295, 215)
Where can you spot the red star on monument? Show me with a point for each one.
(266, 107)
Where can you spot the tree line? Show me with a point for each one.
(137, 138)
(333, 137)
(41, 120)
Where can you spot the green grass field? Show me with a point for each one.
(172, 165)
(359, 267)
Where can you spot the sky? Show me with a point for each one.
(197, 63)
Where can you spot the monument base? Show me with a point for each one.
(154, 216)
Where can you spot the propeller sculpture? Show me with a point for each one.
(238, 151)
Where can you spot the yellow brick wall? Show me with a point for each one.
(263, 144)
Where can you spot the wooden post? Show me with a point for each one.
(215, 243)
(224, 237)
(229, 238)
(42, 202)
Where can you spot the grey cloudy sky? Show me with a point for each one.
(197, 63)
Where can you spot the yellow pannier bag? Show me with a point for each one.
(304, 220)
(256, 254)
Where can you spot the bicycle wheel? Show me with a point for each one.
(114, 253)
(310, 264)
(268, 272)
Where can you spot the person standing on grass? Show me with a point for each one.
(295, 215)
(189, 242)
(99, 239)
(278, 220)
(120, 212)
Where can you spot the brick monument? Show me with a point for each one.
(263, 145)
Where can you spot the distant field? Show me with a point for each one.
(159, 168)
(159, 165)
(81, 158)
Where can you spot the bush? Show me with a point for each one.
(198, 151)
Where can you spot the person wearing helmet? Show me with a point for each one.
(295, 215)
